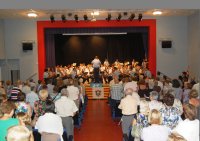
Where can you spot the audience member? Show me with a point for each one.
(128, 105)
(49, 123)
(19, 133)
(66, 109)
(6, 120)
(156, 131)
(189, 128)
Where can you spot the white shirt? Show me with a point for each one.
(154, 104)
(31, 98)
(188, 129)
(50, 123)
(155, 133)
(136, 97)
(160, 84)
(65, 107)
(50, 88)
(128, 105)
(132, 85)
(96, 63)
(73, 92)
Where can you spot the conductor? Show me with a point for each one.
(96, 63)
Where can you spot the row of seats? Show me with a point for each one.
(78, 118)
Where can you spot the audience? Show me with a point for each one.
(131, 85)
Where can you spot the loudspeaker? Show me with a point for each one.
(166, 44)
(27, 46)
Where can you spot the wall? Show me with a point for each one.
(169, 61)
(2, 54)
(17, 31)
(194, 44)
(172, 61)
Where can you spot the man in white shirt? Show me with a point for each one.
(96, 63)
(66, 109)
(73, 92)
(128, 105)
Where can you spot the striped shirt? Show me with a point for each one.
(116, 91)
(14, 93)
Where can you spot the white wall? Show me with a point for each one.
(169, 61)
(194, 44)
(2, 54)
(172, 61)
(17, 31)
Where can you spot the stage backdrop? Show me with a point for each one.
(83, 49)
(44, 35)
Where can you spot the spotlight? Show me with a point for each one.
(63, 18)
(132, 16)
(119, 17)
(76, 18)
(52, 18)
(140, 17)
(109, 17)
(85, 17)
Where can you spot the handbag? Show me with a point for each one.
(136, 129)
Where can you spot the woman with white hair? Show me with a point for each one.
(155, 132)
(40, 105)
(19, 133)
(154, 103)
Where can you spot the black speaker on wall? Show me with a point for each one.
(27, 46)
(166, 44)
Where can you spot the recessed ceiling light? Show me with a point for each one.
(32, 14)
(157, 13)
(95, 13)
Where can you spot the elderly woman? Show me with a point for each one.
(155, 132)
(170, 114)
(154, 103)
(50, 125)
(40, 105)
(189, 128)
(19, 133)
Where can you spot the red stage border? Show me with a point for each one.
(150, 23)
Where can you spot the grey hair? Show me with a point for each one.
(128, 91)
(64, 92)
(154, 95)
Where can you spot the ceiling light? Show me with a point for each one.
(63, 18)
(95, 13)
(119, 17)
(85, 17)
(32, 14)
(109, 17)
(76, 18)
(140, 17)
(132, 16)
(157, 12)
(52, 18)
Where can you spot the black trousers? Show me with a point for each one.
(96, 75)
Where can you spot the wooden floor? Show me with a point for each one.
(98, 124)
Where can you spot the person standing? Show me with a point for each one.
(96, 65)
(66, 109)
(129, 109)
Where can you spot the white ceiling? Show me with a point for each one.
(45, 14)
